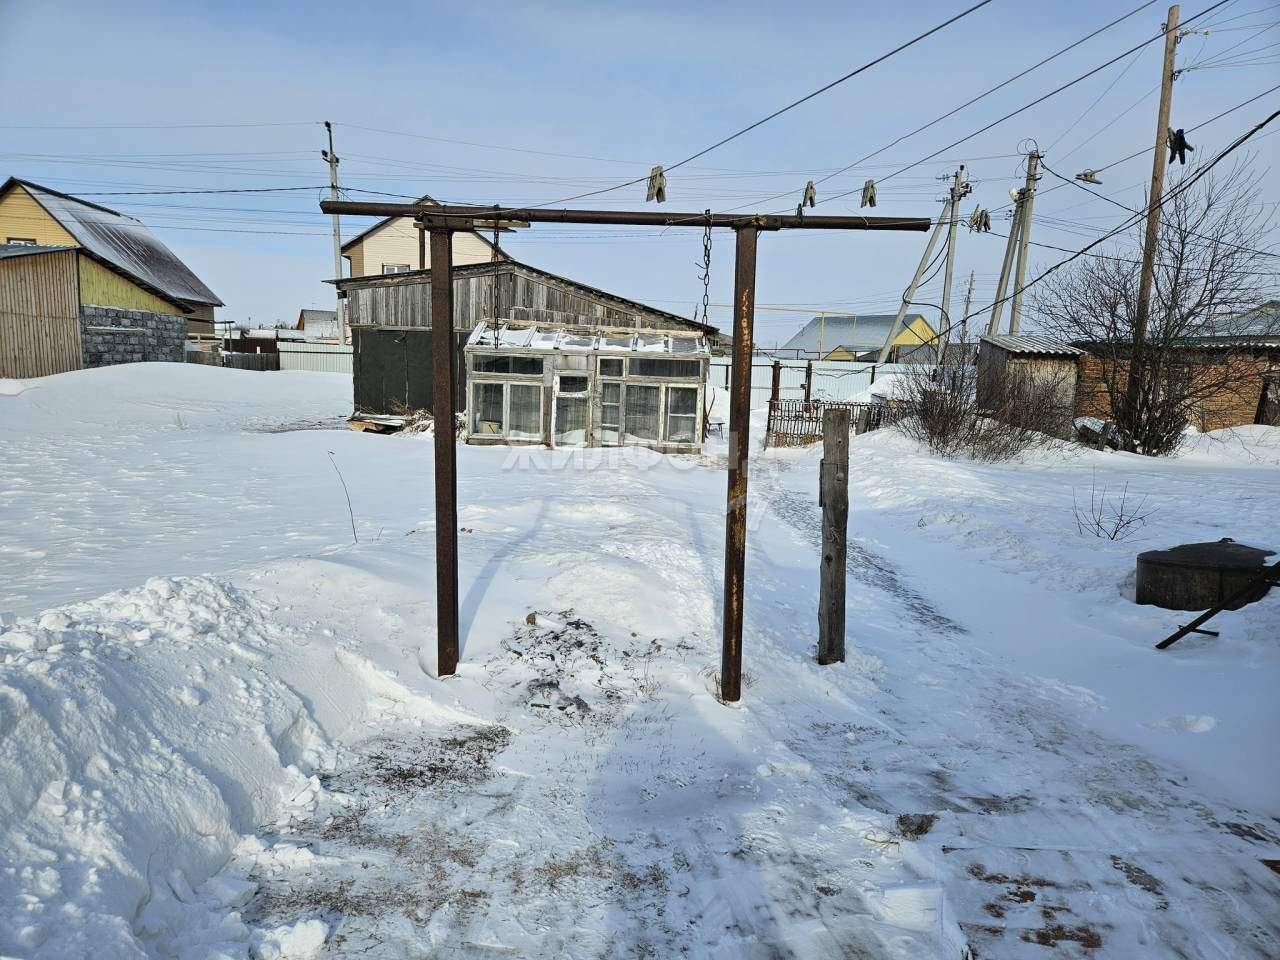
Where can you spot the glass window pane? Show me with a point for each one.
(642, 413)
(525, 411)
(665, 367)
(573, 384)
(610, 412)
(486, 417)
(682, 400)
(491, 363)
(571, 420)
(610, 366)
(682, 414)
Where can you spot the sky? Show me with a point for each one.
(535, 102)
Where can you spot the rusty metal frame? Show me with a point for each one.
(441, 222)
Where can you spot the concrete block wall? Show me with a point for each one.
(111, 335)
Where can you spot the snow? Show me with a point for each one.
(221, 735)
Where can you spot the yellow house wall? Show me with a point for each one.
(397, 242)
(22, 218)
(100, 287)
(915, 333)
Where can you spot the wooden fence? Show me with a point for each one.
(238, 361)
(797, 423)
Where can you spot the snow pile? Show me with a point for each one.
(146, 734)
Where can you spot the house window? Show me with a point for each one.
(682, 414)
(666, 368)
(642, 420)
(395, 268)
(525, 407)
(486, 418)
(506, 364)
(610, 412)
(21, 241)
(610, 366)
(512, 410)
(571, 412)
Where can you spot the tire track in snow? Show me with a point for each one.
(1052, 839)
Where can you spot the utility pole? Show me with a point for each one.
(915, 282)
(1024, 237)
(964, 317)
(332, 159)
(1133, 391)
(1010, 247)
(959, 190)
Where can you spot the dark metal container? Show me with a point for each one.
(1197, 576)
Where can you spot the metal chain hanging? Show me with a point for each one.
(493, 284)
(705, 276)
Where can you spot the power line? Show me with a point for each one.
(1130, 221)
(1038, 100)
(777, 113)
(154, 126)
(970, 102)
(1077, 183)
(1145, 151)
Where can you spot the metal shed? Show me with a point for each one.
(578, 386)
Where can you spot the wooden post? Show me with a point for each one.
(735, 535)
(808, 381)
(442, 364)
(833, 496)
(1155, 197)
(775, 391)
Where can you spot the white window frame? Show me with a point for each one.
(393, 268)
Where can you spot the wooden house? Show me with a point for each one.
(390, 246)
(32, 215)
(61, 309)
(390, 318)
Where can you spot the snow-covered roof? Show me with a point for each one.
(122, 241)
(1031, 343)
(866, 331)
(506, 335)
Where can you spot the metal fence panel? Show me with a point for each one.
(838, 380)
(315, 357)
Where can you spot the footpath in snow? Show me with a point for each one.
(221, 736)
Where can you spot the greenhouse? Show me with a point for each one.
(568, 386)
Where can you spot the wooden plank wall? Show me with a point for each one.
(528, 296)
(39, 315)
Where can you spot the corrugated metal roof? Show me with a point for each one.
(508, 336)
(123, 241)
(866, 331)
(8, 250)
(1032, 343)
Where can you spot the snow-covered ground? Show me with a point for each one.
(221, 735)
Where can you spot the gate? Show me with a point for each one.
(797, 423)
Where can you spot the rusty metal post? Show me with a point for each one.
(735, 537)
(442, 362)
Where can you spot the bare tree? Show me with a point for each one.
(943, 408)
(1214, 262)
